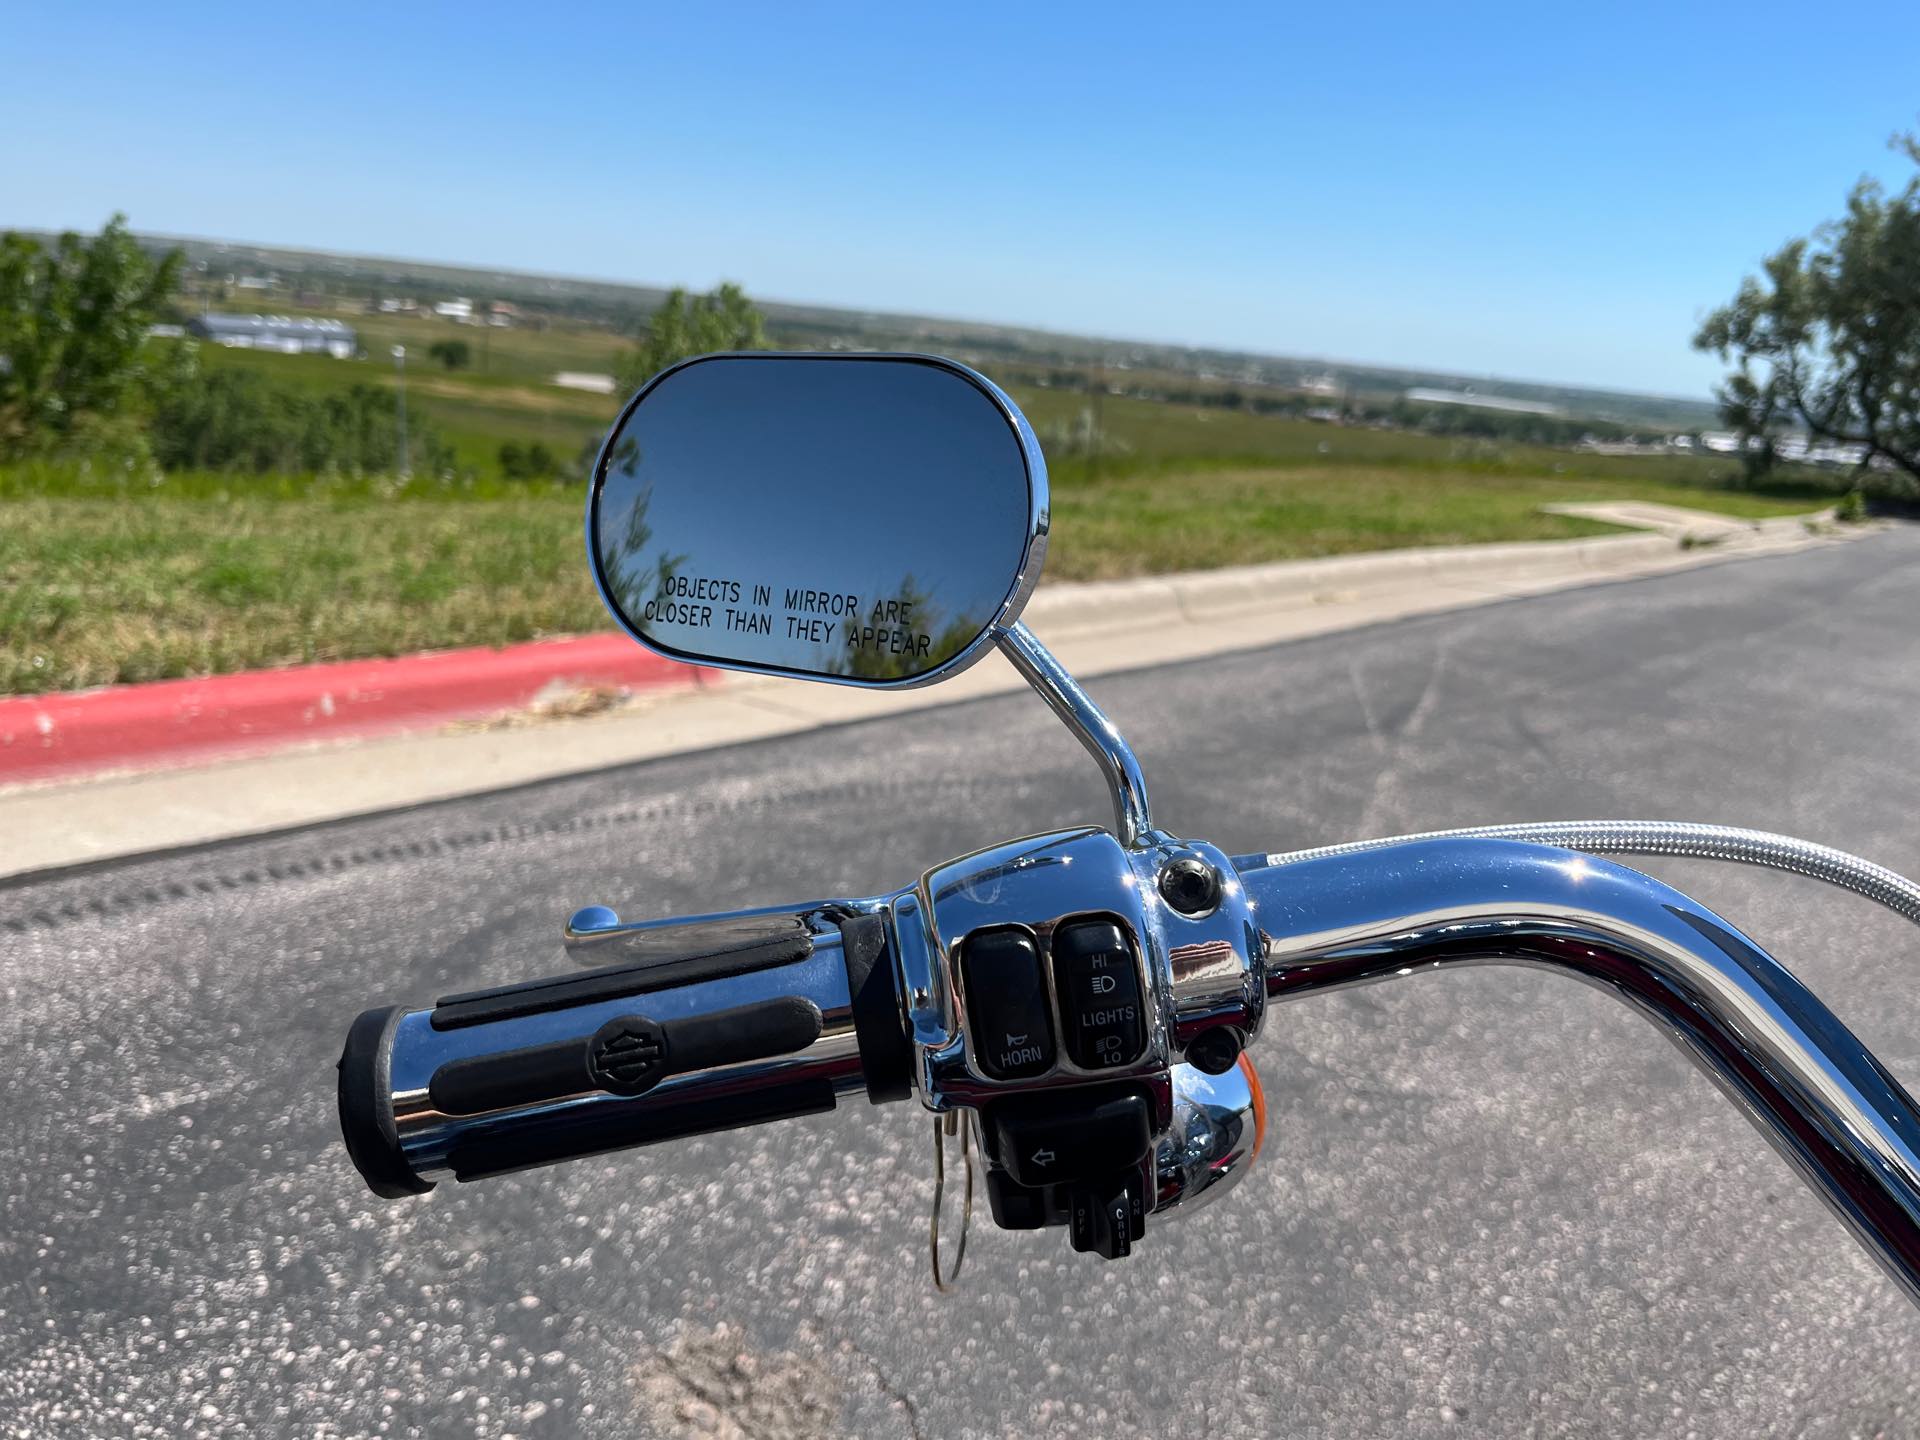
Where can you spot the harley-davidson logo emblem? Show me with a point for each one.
(627, 1055)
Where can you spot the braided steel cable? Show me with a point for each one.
(1679, 838)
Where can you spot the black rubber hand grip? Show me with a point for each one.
(628, 1055)
(588, 1062)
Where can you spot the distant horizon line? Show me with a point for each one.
(906, 315)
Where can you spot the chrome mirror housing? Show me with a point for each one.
(871, 520)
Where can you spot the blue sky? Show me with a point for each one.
(1541, 191)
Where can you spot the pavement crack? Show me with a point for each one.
(1367, 716)
(1532, 738)
(1429, 696)
(891, 1390)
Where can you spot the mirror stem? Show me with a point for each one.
(1131, 822)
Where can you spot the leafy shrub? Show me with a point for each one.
(237, 420)
(528, 462)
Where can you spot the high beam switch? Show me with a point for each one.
(1101, 1014)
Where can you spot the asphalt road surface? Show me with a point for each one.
(1490, 1204)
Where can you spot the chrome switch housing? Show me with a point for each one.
(1129, 981)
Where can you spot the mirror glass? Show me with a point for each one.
(864, 519)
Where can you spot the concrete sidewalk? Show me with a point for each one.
(1095, 629)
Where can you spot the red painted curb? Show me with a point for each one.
(176, 720)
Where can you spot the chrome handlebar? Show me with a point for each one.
(1803, 1078)
(770, 1014)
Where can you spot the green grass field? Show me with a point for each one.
(1193, 520)
(107, 584)
(113, 577)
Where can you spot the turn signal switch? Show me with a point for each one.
(1081, 1158)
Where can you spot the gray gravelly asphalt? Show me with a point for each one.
(1491, 1204)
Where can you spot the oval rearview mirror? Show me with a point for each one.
(864, 519)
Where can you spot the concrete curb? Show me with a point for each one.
(173, 721)
(1091, 607)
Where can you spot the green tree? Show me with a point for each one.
(454, 354)
(634, 575)
(688, 325)
(1827, 338)
(73, 332)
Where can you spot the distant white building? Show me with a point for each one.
(1818, 452)
(282, 334)
(459, 308)
(584, 380)
(1475, 400)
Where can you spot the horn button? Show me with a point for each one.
(1009, 1026)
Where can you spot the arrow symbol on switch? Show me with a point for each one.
(1043, 1157)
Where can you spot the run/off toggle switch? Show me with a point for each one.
(1101, 1014)
(1007, 1015)
(1107, 1216)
